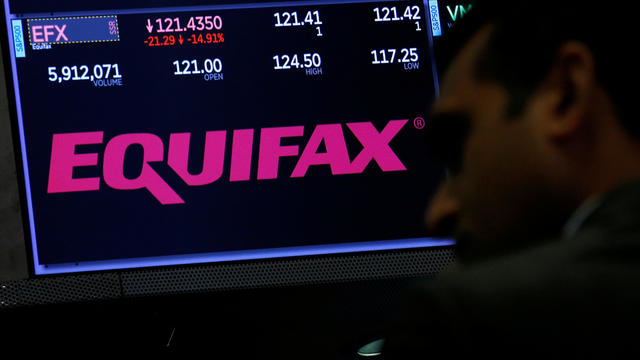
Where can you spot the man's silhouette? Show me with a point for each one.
(536, 123)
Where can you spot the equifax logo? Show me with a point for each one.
(64, 157)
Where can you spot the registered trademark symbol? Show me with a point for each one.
(419, 123)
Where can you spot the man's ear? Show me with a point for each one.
(564, 99)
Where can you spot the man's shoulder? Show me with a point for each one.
(602, 255)
(567, 291)
(577, 294)
(592, 262)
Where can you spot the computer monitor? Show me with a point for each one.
(167, 146)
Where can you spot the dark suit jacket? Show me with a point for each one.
(575, 295)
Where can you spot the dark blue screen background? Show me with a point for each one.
(224, 216)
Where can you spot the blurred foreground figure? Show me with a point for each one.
(538, 126)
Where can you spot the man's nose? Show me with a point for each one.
(442, 213)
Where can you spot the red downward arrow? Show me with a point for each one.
(181, 40)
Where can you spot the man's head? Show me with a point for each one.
(531, 122)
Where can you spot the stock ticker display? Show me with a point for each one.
(223, 132)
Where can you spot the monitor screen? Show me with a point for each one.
(158, 133)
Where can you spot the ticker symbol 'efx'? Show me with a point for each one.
(375, 147)
(43, 33)
(72, 30)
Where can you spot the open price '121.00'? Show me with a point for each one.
(195, 67)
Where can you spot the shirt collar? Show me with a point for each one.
(581, 214)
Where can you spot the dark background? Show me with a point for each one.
(303, 322)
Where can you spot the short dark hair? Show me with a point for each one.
(527, 34)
